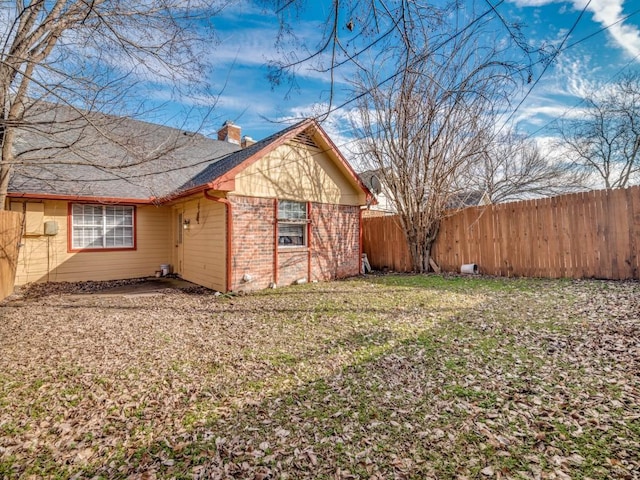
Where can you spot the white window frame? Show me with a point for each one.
(292, 214)
(123, 218)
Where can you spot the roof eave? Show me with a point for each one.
(83, 198)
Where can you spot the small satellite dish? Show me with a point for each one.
(376, 186)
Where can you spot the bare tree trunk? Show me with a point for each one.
(417, 251)
(5, 176)
(420, 241)
(6, 161)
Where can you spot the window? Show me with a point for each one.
(102, 227)
(179, 229)
(292, 224)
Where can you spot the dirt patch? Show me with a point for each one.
(110, 287)
(39, 290)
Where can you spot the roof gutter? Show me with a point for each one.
(229, 240)
(82, 198)
(361, 245)
(185, 193)
(221, 186)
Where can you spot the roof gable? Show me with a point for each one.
(308, 133)
(216, 174)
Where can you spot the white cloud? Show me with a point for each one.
(551, 148)
(540, 114)
(255, 46)
(570, 77)
(533, 3)
(240, 103)
(244, 47)
(235, 8)
(606, 13)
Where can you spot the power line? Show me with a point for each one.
(546, 67)
(620, 70)
(560, 50)
(414, 62)
(530, 135)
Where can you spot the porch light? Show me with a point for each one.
(186, 223)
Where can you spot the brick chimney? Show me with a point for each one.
(229, 133)
(247, 141)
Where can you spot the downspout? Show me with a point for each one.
(360, 241)
(275, 241)
(309, 242)
(229, 212)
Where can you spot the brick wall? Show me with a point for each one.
(253, 242)
(336, 241)
(292, 265)
(335, 236)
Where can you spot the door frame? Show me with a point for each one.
(177, 254)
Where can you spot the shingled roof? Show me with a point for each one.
(72, 154)
(100, 156)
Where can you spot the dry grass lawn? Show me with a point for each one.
(375, 378)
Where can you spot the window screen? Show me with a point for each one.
(292, 223)
(102, 226)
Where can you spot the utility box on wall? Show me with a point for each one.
(51, 228)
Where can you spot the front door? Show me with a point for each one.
(178, 241)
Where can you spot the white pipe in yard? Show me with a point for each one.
(469, 268)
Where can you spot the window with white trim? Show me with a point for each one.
(102, 226)
(292, 224)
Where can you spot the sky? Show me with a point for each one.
(599, 40)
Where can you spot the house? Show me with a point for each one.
(382, 205)
(229, 214)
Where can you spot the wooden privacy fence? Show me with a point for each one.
(585, 235)
(384, 243)
(10, 235)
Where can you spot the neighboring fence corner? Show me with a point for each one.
(10, 236)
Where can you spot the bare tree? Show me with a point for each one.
(423, 128)
(90, 56)
(355, 29)
(605, 141)
(514, 168)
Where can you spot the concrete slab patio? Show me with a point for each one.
(136, 287)
(150, 286)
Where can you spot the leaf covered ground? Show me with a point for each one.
(375, 378)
